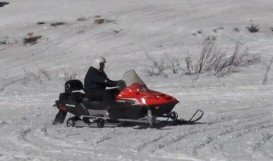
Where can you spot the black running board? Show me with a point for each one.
(119, 120)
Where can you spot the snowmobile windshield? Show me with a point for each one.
(131, 77)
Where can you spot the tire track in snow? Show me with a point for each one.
(115, 135)
(22, 134)
(202, 145)
(219, 138)
(257, 147)
(214, 132)
(31, 139)
(157, 142)
(152, 141)
(83, 150)
(172, 138)
(191, 132)
(38, 140)
(29, 136)
(263, 141)
(38, 136)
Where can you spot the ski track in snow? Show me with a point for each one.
(38, 139)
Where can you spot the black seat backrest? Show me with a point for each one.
(73, 85)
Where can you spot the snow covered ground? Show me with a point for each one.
(238, 120)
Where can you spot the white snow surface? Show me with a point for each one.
(238, 120)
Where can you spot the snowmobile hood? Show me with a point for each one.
(143, 95)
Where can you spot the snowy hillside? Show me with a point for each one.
(43, 43)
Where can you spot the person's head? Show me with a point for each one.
(99, 63)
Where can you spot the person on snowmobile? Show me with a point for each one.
(96, 81)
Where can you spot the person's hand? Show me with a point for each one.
(121, 84)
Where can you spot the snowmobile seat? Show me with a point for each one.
(94, 105)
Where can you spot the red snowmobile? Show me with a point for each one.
(133, 102)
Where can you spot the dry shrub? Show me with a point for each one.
(81, 19)
(68, 76)
(37, 77)
(31, 39)
(162, 67)
(41, 23)
(189, 66)
(215, 61)
(253, 28)
(55, 24)
(2, 4)
(102, 21)
(236, 29)
(212, 61)
(4, 42)
(117, 31)
(45, 73)
(173, 64)
(31, 76)
(157, 68)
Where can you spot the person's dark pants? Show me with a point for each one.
(95, 95)
(106, 96)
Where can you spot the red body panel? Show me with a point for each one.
(139, 91)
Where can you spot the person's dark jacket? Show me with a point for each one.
(96, 80)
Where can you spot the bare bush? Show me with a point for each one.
(37, 77)
(215, 61)
(212, 60)
(157, 68)
(189, 66)
(68, 76)
(55, 24)
(81, 19)
(236, 29)
(117, 31)
(253, 28)
(31, 39)
(215, 30)
(173, 64)
(162, 66)
(44, 72)
(3, 42)
(31, 76)
(41, 23)
(99, 20)
(3, 4)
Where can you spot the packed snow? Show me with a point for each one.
(238, 120)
